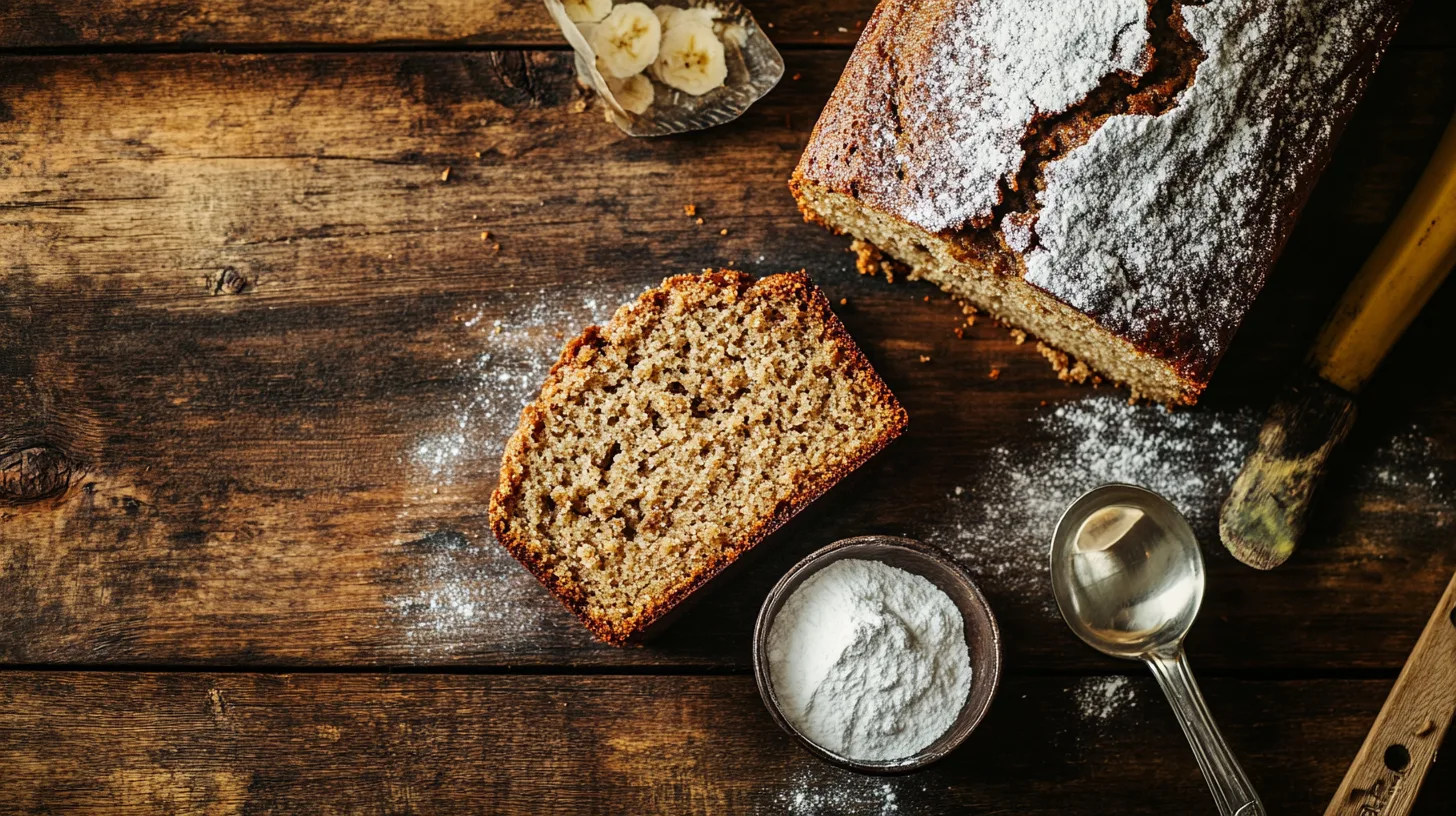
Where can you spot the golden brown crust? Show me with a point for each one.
(794, 285)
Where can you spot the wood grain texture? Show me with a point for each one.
(197, 24)
(201, 24)
(233, 743)
(280, 360)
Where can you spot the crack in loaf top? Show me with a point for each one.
(948, 88)
(1162, 226)
(1165, 226)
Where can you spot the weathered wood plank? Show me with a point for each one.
(279, 361)
(283, 23)
(234, 743)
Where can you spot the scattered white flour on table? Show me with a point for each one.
(828, 791)
(869, 661)
(461, 588)
(503, 363)
(1099, 698)
(1001, 525)
(1408, 461)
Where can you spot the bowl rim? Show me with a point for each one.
(960, 729)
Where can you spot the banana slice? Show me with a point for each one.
(634, 93)
(587, 11)
(668, 14)
(691, 57)
(665, 15)
(627, 40)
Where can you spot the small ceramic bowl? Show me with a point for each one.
(982, 636)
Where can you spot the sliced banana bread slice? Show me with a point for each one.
(670, 441)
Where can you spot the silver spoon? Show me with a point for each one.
(1128, 577)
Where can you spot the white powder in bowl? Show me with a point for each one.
(869, 661)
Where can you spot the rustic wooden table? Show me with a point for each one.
(257, 361)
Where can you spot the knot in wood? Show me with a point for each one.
(229, 281)
(33, 473)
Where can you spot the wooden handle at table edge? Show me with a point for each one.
(1406, 268)
(1414, 718)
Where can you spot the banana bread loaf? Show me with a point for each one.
(678, 436)
(1113, 176)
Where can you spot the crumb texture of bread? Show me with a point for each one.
(666, 443)
(1116, 177)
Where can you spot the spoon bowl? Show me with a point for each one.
(1128, 577)
(1126, 571)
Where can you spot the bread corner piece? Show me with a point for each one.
(1115, 177)
(673, 439)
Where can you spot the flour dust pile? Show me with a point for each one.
(869, 661)
(1099, 699)
(823, 790)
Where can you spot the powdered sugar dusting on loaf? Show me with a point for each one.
(988, 77)
(928, 119)
(1163, 226)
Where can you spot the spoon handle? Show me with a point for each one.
(1232, 791)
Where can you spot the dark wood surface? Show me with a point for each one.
(287, 24)
(257, 363)
(225, 743)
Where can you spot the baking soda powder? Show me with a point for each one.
(869, 661)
